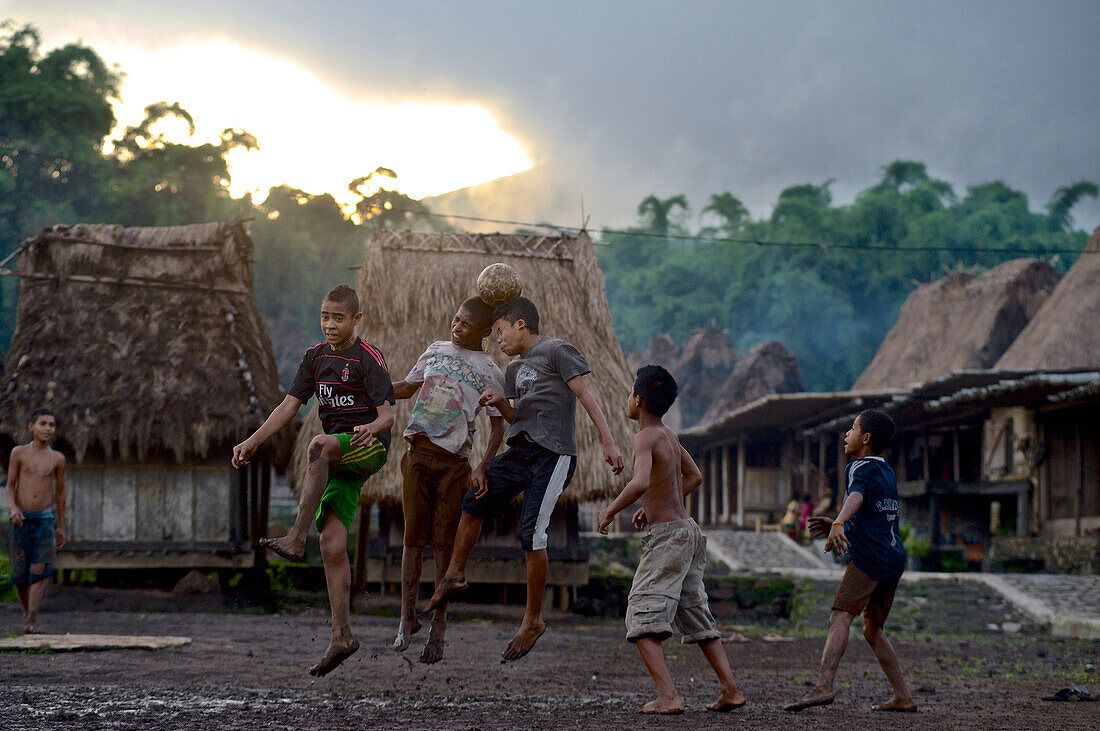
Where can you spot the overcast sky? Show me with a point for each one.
(613, 101)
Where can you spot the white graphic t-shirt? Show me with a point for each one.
(454, 379)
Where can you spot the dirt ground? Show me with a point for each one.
(246, 669)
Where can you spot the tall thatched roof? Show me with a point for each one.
(1065, 333)
(661, 351)
(705, 363)
(958, 323)
(764, 369)
(409, 286)
(145, 342)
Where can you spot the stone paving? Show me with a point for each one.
(744, 550)
(1070, 605)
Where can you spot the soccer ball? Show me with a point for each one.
(498, 283)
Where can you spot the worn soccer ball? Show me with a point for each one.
(498, 283)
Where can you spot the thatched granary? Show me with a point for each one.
(661, 351)
(147, 345)
(1065, 332)
(410, 284)
(764, 369)
(960, 322)
(705, 362)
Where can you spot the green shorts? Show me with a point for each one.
(345, 480)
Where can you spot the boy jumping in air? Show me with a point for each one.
(448, 380)
(354, 400)
(668, 585)
(36, 484)
(867, 528)
(545, 380)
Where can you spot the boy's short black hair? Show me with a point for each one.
(481, 312)
(879, 425)
(345, 296)
(41, 411)
(516, 309)
(657, 388)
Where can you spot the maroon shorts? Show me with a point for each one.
(858, 593)
(433, 483)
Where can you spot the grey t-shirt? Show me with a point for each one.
(546, 405)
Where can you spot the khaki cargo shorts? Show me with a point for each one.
(668, 585)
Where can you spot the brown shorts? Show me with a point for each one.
(433, 483)
(859, 593)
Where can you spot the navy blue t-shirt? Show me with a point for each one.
(876, 546)
(350, 385)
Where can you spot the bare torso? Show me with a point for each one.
(34, 471)
(663, 501)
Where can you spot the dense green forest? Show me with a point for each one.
(826, 280)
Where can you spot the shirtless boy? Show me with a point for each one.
(36, 483)
(668, 585)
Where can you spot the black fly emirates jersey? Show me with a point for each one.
(349, 384)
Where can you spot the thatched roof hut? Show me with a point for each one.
(661, 351)
(705, 362)
(960, 322)
(1065, 332)
(764, 369)
(409, 286)
(146, 342)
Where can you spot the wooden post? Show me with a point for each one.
(956, 465)
(701, 491)
(741, 483)
(714, 482)
(725, 456)
(821, 467)
(806, 481)
(1079, 497)
(903, 463)
(925, 461)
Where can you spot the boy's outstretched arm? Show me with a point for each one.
(837, 538)
(15, 465)
(501, 404)
(403, 389)
(689, 471)
(496, 438)
(280, 416)
(610, 451)
(639, 483)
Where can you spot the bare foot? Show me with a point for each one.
(445, 589)
(409, 626)
(727, 702)
(816, 698)
(525, 638)
(289, 549)
(334, 655)
(30, 628)
(433, 648)
(899, 705)
(661, 707)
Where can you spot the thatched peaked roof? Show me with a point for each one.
(145, 342)
(958, 323)
(1065, 333)
(764, 369)
(409, 286)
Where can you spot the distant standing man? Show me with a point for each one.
(36, 482)
(866, 528)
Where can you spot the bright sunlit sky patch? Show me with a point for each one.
(311, 136)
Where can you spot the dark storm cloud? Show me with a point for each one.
(616, 100)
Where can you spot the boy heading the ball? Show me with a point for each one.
(541, 389)
(354, 399)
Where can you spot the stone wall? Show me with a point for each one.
(1063, 555)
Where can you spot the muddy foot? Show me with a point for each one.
(727, 702)
(817, 698)
(285, 547)
(334, 655)
(31, 628)
(446, 589)
(897, 705)
(433, 648)
(405, 631)
(663, 708)
(525, 638)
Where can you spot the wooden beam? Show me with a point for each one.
(741, 483)
(725, 454)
